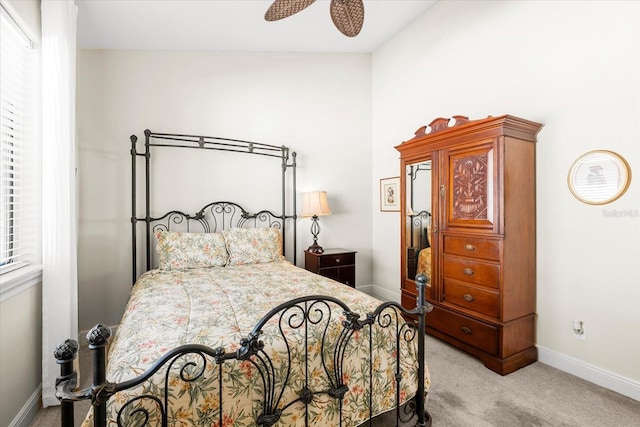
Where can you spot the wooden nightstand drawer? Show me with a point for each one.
(475, 247)
(481, 300)
(474, 271)
(336, 264)
(477, 334)
(336, 260)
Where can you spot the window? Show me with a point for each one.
(19, 166)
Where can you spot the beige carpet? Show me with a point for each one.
(466, 394)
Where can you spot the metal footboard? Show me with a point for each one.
(311, 315)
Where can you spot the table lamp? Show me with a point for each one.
(314, 204)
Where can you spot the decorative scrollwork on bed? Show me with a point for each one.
(215, 216)
(286, 380)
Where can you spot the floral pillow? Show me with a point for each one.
(253, 245)
(179, 251)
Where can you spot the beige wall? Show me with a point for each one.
(318, 105)
(574, 67)
(20, 351)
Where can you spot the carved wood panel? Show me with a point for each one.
(470, 187)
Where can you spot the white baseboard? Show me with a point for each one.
(383, 293)
(367, 289)
(28, 411)
(590, 373)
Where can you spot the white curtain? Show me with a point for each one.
(59, 243)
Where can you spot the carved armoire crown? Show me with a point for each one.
(468, 222)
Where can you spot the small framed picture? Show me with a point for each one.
(390, 194)
(599, 177)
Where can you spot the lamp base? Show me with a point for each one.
(315, 230)
(315, 248)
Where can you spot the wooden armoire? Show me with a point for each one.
(468, 214)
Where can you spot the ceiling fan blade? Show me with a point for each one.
(348, 16)
(280, 9)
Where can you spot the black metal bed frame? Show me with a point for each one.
(221, 214)
(418, 221)
(311, 314)
(188, 363)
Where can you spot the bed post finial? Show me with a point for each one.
(65, 354)
(421, 287)
(98, 338)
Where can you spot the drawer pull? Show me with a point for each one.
(466, 330)
(468, 298)
(469, 247)
(468, 271)
(337, 260)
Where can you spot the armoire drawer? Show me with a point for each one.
(476, 298)
(465, 329)
(475, 247)
(471, 270)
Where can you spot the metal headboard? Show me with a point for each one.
(215, 216)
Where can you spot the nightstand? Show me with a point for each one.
(337, 264)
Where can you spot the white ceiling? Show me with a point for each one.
(234, 25)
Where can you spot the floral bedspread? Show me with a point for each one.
(219, 306)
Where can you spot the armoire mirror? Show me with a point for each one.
(418, 219)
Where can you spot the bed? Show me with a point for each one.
(222, 329)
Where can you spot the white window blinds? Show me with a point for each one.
(14, 90)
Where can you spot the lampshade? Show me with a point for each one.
(315, 203)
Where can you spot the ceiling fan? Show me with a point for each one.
(347, 15)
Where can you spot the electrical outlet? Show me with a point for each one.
(579, 331)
